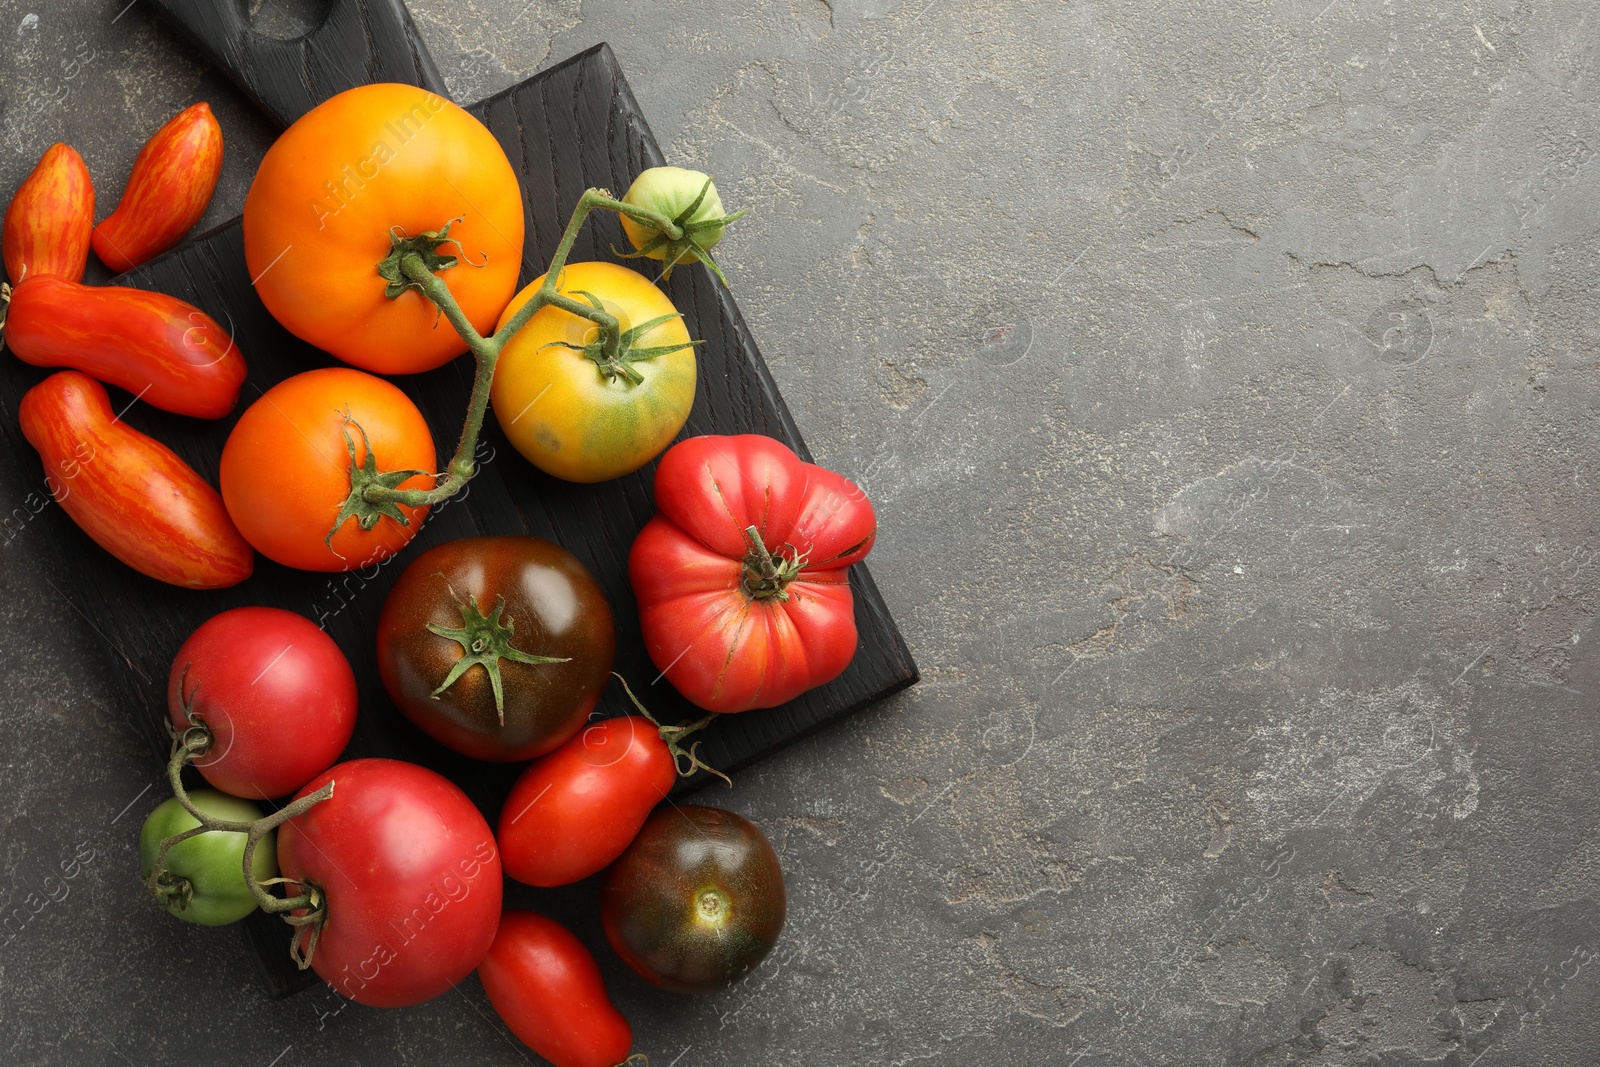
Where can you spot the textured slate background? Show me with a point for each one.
(1224, 381)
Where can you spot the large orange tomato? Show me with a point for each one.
(372, 161)
(286, 468)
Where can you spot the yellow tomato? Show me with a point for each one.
(567, 412)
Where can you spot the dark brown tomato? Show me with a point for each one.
(497, 647)
(696, 901)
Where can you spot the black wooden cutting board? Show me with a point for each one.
(566, 129)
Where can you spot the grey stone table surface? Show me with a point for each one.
(1225, 378)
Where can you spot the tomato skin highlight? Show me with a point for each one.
(275, 691)
(724, 648)
(48, 223)
(318, 217)
(576, 810)
(411, 877)
(286, 469)
(169, 354)
(171, 184)
(547, 988)
(554, 607)
(131, 494)
(696, 901)
(565, 415)
(213, 862)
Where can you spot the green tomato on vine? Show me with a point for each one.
(689, 199)
(203, 876)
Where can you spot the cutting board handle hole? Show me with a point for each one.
(288, 20)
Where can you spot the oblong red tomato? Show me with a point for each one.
(574, 811)
(169, 354)
(742, 578)
(171, 184)
(49, 220)
(276, 693)
(547, 988)
(411, 878)
(130, 493)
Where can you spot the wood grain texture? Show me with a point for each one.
(566, 129)
(361, 41)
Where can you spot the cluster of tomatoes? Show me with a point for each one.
(386, 227)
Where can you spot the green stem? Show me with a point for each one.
(186, 747)
(685, 762)
(486, 350)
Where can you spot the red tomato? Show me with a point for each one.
(131, 494)
(574, 811)
(171, 184)
(48, 223)
(546, 987)
(275, 691)
(165, 352)
(411, 878)
(286, 468)
(742, 581)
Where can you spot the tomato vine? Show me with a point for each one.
(412, 264)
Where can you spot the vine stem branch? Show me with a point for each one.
(190, 745)
(486, 350)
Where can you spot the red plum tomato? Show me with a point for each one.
(546, 987)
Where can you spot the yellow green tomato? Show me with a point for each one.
(206, 873)
(569, 408)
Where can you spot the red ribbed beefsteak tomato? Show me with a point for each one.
(742, 577)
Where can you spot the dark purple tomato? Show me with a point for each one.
(497, 647)
(696, 901)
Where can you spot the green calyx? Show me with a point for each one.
(485, 640)
(363, 475)
(425, 246)
(698, 235)
(170, 889)
(628, 349)
(767, 575)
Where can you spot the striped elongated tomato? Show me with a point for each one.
(171, 184)
(130, 493)
(169, 354)
(49, 220)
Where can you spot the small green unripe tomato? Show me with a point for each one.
(689, 199)
(204, 881)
